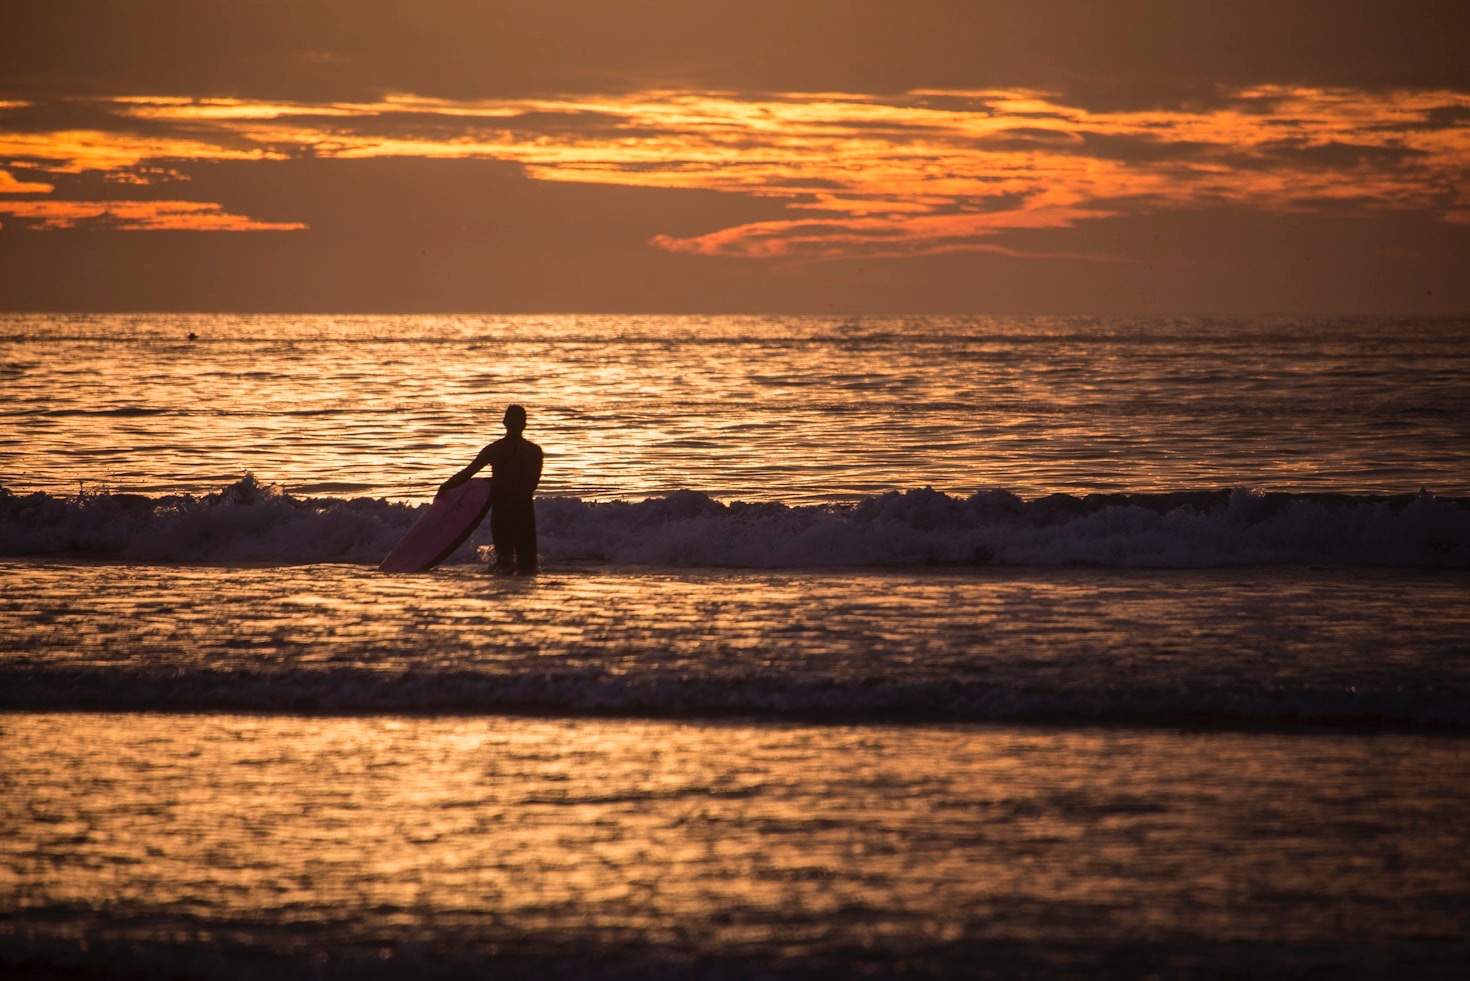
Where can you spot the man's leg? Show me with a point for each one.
(502, 535)
(526, 554)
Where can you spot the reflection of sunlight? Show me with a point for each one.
(443, 830)
(925, 172)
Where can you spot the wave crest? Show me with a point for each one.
(251, 522)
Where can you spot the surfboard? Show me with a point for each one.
(441, 529)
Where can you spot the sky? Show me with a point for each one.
(800, 156)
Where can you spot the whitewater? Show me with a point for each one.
(247, 522)
(884, 646)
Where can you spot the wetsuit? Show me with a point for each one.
(516, 463)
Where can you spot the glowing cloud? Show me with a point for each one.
(75, 151)
(930, 171)
(10, 185)
(191, 216)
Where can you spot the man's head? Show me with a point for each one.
(515, 418)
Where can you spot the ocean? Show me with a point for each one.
(863, 646)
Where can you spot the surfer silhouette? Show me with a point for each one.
(515, 465)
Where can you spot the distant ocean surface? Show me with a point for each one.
(804, 410)
(919, 646)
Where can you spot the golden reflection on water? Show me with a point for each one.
(799, 410)
(725, 835)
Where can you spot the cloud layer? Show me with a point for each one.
(775, 155)
(860, 175)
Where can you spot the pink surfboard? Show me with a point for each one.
(441, 529)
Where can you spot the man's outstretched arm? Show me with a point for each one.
(481, 460)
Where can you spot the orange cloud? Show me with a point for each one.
(75, 151)
(10, 185)
(930, 171)
(191, 216)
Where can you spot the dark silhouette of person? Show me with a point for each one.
(515, 465)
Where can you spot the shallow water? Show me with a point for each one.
(430, 846)
(662, 772)
(1234, 648)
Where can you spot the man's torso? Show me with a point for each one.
(516, 466)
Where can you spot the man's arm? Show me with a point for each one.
(481, 460)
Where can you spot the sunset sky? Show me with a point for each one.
(755, 156)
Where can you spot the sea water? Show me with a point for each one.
(889, 646)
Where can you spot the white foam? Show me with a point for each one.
(248, 522)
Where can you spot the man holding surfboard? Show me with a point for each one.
(515, 464)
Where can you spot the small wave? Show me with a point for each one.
(592, 692)
(256, 523)
(119, 412)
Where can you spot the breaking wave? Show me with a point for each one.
(250, 522)
(757, 695)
